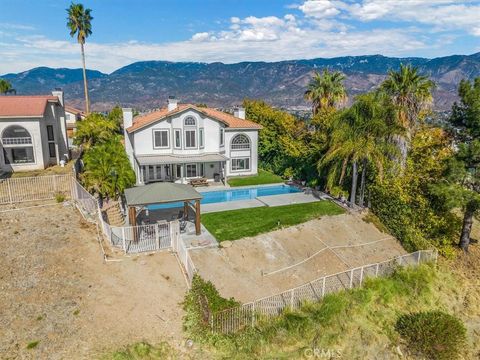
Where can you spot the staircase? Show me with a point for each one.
(114, 214)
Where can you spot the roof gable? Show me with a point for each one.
(230, 121)
(24, 106)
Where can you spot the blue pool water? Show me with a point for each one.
(211, 197)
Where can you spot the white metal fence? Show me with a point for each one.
(131, 239)
(17, 190)
(234, 319)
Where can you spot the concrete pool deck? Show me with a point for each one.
(271, 200)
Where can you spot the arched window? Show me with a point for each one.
(17, 145)
(189, 121)
(240, 142)
(16, 135)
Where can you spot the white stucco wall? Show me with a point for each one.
(37, 127)
(252, 153)
(141, 141)
(32, 125)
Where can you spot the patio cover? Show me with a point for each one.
(160, 193)
(179, 159)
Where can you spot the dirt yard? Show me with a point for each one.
(57, 291)
(267, 264)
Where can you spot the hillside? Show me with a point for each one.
(147, 84)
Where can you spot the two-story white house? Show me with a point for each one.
(33, 132)
(183, 141)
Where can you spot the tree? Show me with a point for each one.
(461, 185)
(281, 144)
(326, 90)
(116, 115)
(411, 93)
(5, 86)
(79, 24)
(107, 169)
(360, 135)
(95, 128)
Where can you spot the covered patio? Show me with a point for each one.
(163, 194)
(181, 168)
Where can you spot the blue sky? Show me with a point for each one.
(33, 32)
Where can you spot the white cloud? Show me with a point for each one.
(444, 15)
(319, 8)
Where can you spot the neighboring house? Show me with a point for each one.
(72, 115)
(33, 132)
(183, 141)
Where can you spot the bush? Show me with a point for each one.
(434, 334)
(200, 302)
(59, 198)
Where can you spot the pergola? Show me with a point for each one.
(163, 193)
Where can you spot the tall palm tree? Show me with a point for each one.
(79, 24)
(411, 93)
(360, 135)
(326, 90)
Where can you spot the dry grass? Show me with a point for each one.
(52, 170)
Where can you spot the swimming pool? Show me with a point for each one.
(211, 197)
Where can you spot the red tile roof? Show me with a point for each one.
(73, 110)
(24, 106)
(229, 120)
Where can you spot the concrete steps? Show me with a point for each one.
(114, 214)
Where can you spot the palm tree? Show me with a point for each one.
(326, 90)
(360, 135)
(411, 93)
(94, 129)
(79, 24)
(6, 87)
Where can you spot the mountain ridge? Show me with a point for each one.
(147, 84)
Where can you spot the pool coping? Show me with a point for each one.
(222, 188)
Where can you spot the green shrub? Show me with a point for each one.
(434, 334)
(202, 300)
(59, 197)
(33, 344)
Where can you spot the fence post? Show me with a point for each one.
(10, 198)
(54, 180)
(419, 253)
(351, 278)
(123, 240)
(376, 271)
(253, 314)
(361, 276)
(400, 259)
(291, 299)
(157, 237)
(323, 287)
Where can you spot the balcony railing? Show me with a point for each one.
(17, 141)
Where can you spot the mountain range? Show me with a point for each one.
(147, 84)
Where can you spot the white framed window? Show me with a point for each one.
(160, 139)
(240, 164)
(177, 140)
(191, 170)
(51, 141)
(190, 139)
(201, 138)
(201, 169)
(17, 146)
(222, 136)
(189, 121)
(240, 142)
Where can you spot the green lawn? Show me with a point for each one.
(236, 224)
(263, 177)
